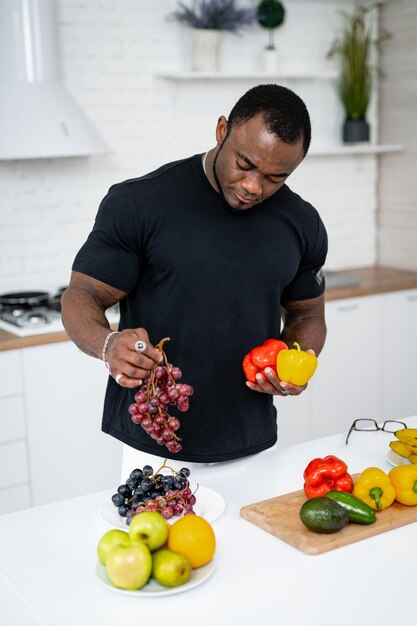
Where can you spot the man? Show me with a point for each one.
(210, 251)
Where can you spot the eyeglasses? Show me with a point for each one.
(389, 426)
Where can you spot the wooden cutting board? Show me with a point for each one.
(280, 517)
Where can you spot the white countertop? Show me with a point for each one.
(48, 558)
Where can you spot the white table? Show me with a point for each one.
(48, 558)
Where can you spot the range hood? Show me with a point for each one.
(38, 117)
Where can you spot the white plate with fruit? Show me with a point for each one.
(209, 504)
(152, 588)
(395, 459)
(155, 558)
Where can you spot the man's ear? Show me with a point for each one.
(221, 129)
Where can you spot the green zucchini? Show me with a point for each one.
(358, 511)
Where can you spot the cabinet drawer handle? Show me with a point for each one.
(347, 308)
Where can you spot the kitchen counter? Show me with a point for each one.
(9, 341)
(371, 280)
(48, 557)
(374, 280)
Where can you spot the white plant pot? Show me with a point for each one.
(205, 47)
(270, 60)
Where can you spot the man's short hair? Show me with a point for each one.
(284, 112)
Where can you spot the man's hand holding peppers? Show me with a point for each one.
(303, 322)
(263, 367)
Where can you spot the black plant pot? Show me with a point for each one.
(355, 131)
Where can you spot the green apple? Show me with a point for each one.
(170, 569)
(129, 566)
(149, 527)
(110, 539)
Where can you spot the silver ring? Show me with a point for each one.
(140, 346)
(118, 377)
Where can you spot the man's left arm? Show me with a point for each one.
(304, 322)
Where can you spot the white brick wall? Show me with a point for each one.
(110, 53)
(398, 106)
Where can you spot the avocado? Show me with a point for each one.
(323, 515)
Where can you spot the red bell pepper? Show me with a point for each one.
(262, 357)
(327, 474)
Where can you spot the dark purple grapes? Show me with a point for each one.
(124, 490)
(136, 474)
(168, 494)
(132, 483)
(123, 509)
(118, 499)
(146, 484)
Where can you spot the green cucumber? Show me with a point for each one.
(323, 515)
(359, 512)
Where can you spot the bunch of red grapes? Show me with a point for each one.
(150, 409)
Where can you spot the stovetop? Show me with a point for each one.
(35, 321)
(36, 316)
(38, 320)
(31, 312)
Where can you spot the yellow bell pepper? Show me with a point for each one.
(296, 366)
(375, 488)
(404, 480)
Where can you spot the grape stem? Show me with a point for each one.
(164, 464)
(159, 345)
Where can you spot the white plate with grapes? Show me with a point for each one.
(166, 490)
(152, 588)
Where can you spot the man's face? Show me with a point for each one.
(251, 163)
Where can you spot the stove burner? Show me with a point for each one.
(38, 316)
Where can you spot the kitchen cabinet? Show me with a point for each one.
(348, 381)
(14, 469)
(399, 384)
(64, 392)
(295, 418)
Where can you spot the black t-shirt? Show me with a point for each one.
(212, 279)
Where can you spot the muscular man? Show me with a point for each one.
(217, 253)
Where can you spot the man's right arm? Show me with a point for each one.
(84, 303)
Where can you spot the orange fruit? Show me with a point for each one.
(193, 537)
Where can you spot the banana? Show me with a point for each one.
(407, 435)
(401, 448)
(413, 458)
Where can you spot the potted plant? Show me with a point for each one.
(270, 14)
(354, 47)
(208, 19)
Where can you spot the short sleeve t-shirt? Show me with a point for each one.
(212, 279)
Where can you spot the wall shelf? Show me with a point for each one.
(178, 76)
(304, 75)
(359, 149)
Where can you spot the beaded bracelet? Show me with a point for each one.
(105, 345)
